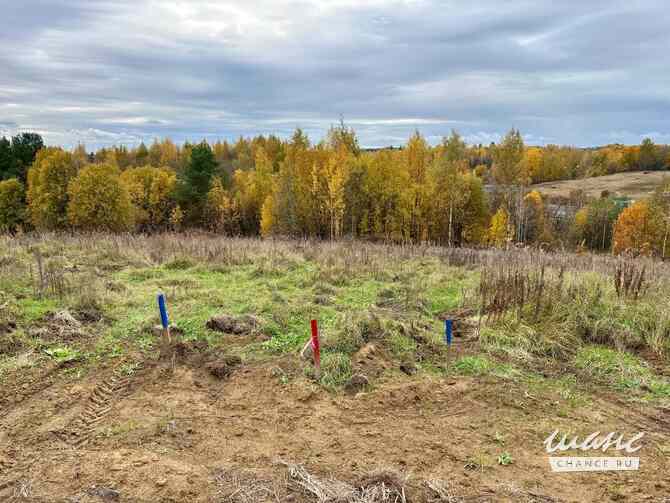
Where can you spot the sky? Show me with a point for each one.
(102, 72)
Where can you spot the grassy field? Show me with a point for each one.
(635, 185)
(93, 401)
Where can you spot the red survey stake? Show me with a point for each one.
(316, 350)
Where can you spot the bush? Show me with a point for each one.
(12, 205)
(151, 191)
(99, 200)
(48, 181)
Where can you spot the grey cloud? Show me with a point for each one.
(102, 72)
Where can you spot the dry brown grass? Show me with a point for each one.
(336, 258)
(382, 486)
(635, 185)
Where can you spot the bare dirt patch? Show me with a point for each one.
(371, 360)
(170, 432)
(198, 354)
(236, 325)
(59, 326)
(7, 327)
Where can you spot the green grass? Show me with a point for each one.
(622, 370)
(33, 309)
(335, 370)
(480, 365)
(567, 389)
(63, 354)
(358, 295)
(395, 305)
(401, 346)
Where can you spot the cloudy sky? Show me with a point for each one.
(101, 71)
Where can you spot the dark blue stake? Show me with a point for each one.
(448, 331)
(163, 309)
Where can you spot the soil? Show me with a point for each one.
(60, 326)
(9, 343)
(198, 354)
(371, 360)
(180, 433)
(238, 325)
(7, 327)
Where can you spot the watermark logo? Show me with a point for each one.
(594, 442)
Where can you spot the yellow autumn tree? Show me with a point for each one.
(169, 154)
(252, 189)
(335, 173)
(499, 231)
(579, 228)
(221, 211)
(151, 191)
(638, 229)
(176, 218)
(267, 216)
(531, 165)
(661, 204)
(387, 190)
(417, 157)
(48, 181)
(533, 221)
(99, 200)
(12, 205)
(507, 156)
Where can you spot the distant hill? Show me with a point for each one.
(633, 184)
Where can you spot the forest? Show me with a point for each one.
(450, 194)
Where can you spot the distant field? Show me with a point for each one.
(635, 185)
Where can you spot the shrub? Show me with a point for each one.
(638, 229)
(99, 200)
(48, 181)
(151, 191)
(12, 206)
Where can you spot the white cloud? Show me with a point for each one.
(138, 69)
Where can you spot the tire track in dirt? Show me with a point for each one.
(14, 396)
(15, 469)
(653, 420)
(100, 403)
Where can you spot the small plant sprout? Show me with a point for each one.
(505, 459)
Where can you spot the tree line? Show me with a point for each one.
(452, 193)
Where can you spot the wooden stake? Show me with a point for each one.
(316, 350)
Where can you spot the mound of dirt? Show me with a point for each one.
(7, 327)
(59, 326)
(223, 367)
(371, 360)
(184, 351)
(198, 354)
(465, 322)
(89, 314)
(373, 340)
(10, 344)
(237, 325)
(356, 383)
